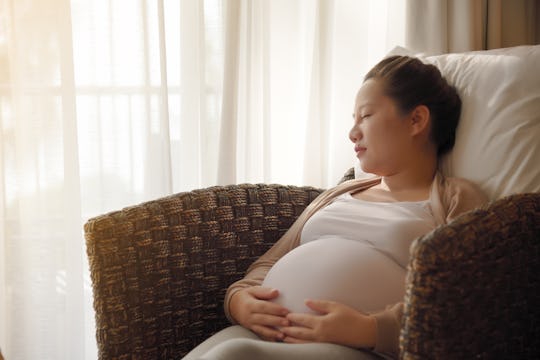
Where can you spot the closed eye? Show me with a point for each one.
(361, 117)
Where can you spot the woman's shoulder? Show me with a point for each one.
(459, 185)
(461, 193)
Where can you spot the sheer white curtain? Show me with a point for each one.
(292, 69)
(108, 103)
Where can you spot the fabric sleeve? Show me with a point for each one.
(388, 329)
(462, 196)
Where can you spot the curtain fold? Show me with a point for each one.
(512, 23)
(229, 108)
(41, 268)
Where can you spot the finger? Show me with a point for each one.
(298, 332)
(268, 333)
(267, 307)
(304, 320)
(269, 320)
(320, 306)
(264, 293)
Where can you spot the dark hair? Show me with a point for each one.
(410, 82)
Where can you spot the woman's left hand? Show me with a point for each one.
(335, 323)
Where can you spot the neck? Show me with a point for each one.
(415, 178)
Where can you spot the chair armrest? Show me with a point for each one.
(159, 270)
(473, 287)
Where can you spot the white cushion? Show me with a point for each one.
(498, 137)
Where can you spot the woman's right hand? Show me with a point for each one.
(251, 308)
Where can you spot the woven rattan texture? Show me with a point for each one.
(474, 286)
(160, 269)
(349, 175)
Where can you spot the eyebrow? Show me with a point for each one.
(366, 104)
(357, 110)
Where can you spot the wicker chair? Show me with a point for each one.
(160, 270)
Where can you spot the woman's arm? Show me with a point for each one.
(388, 329)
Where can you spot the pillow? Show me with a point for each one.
(498, 137)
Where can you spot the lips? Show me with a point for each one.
(359, 149)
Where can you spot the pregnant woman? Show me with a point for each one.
(332, 286)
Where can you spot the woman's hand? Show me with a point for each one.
(250, 308)
(336, 323)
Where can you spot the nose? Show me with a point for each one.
(355, 133)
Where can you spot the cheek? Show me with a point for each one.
(390, 133)
(386, 143)
(380, 136)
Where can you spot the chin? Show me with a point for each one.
(376, 170)
(367, 169)
(373, 171)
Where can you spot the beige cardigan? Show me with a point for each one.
(449, 197)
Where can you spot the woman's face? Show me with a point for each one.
(380, 132)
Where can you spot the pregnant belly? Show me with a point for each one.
(341, 270)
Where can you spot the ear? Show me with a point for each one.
(420, 120)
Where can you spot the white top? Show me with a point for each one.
(352, 251)
(389, 227)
